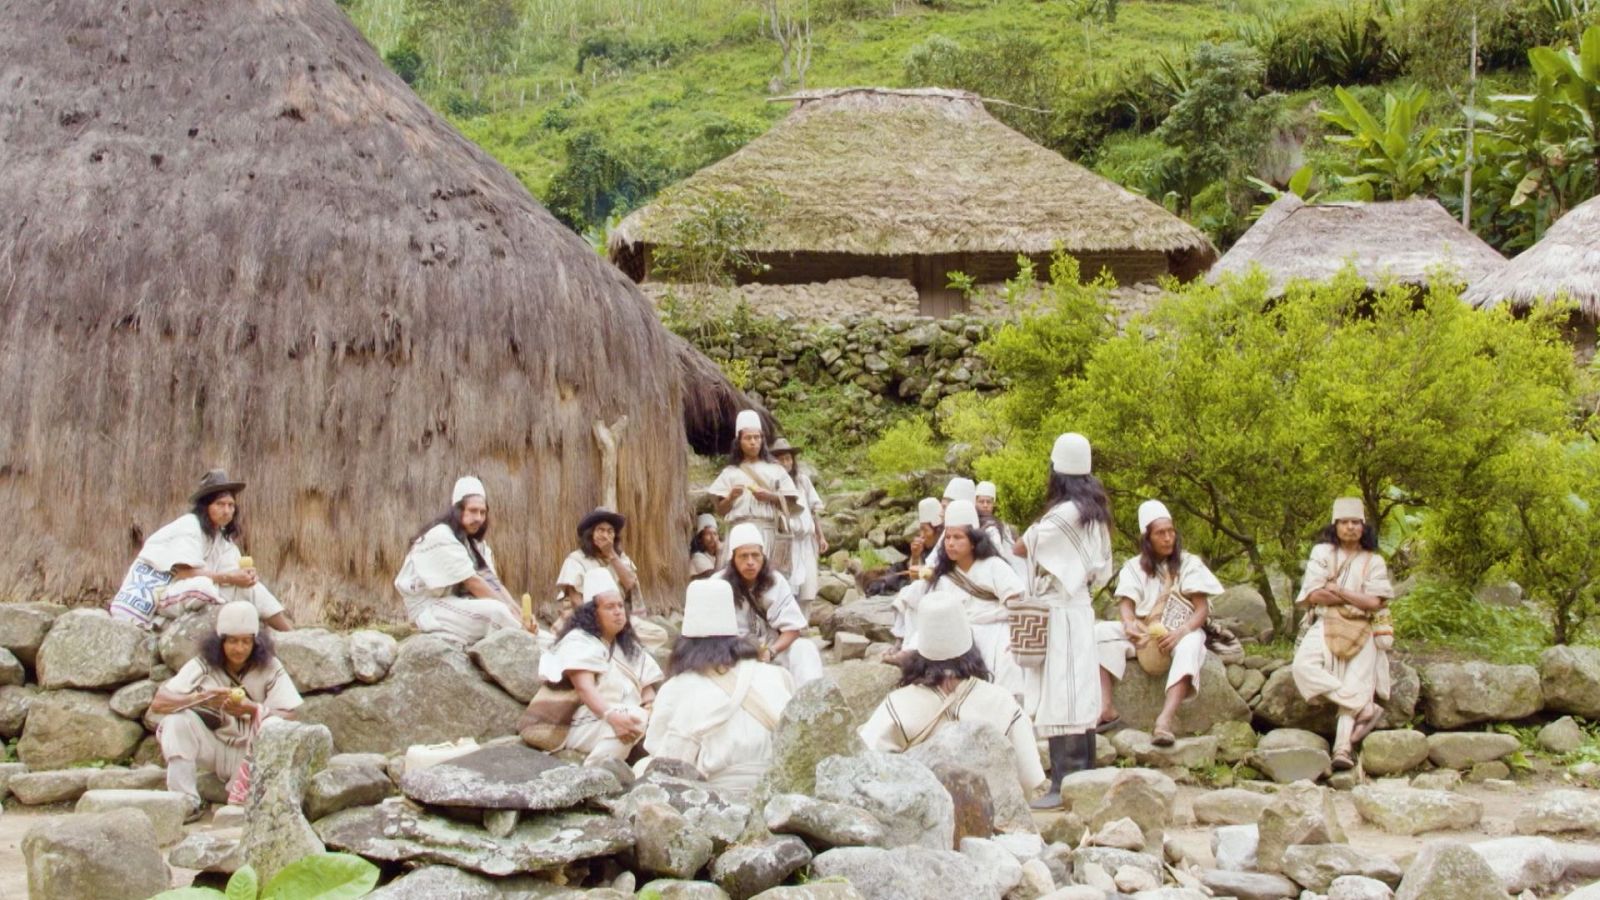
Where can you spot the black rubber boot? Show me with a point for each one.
(1060, 766)
(1085, 751)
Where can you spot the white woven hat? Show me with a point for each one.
(986, 489)
(1070, 455)
(1149, 511)
(930, 511)
(748, 420)
(745, 534)
(1349, 508)
(708, 610)
(706, 520)
(599, 581)
(961, 489)
(943, 631)
(961, 513)
(238, 617)
(466, 486)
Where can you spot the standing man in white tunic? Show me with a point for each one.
(766, 606)
(806, 524)
(1148, 582)
(448, 579)
(753, 489)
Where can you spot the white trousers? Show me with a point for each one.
(1114, 649)
(1349, 684)
(466, 619)
(595, 737)
(184, 736)
(803, 660)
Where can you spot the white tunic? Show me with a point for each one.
(990, 621)
(1349, 683)
(807, 539)
(149, 595)
(906, 718)
(783, 613)
(697, 720)
(1146, 591)
(578, 564)
(433, 569)
(746, 507)
(1063, 694)
(621, 682)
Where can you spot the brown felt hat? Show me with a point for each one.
(602, 515)
(214, 482)
(782, 445)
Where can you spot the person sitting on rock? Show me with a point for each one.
(1346, 661)
(1001, 534)
(194, 561)
(600, 547)
(1165, 641)
(215, 704)
(597, 652)
(704, 547)
(448, 579)
(945, 680)
(720, 705)
(767, 610)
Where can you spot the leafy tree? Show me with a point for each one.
(712, 234)
(1219, 123)
(1010, 67)
(600, 178)
(1395, 158)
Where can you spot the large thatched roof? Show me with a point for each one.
(1404, 241)
(873, 171)
(1564, 263)
(232, 237)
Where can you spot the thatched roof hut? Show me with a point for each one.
(234, 238)
(1403, 241)
(913, 184)
(1564, 263)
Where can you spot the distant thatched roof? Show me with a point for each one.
(1404, 241)
(232, 237)
(1565, 262)
(884, 172)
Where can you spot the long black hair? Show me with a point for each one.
(736, 455)
(697, 544)
(587, 617)
(233, 531)
(1149, 562)
(261, 654)
(452, 518)
(982, 548)
(754, 598)
(918, 669)
(1086, 491)
(704, 654)
(1330, 535)
(586, 540)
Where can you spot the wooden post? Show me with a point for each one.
(608, 436)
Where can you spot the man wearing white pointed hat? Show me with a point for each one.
(754, 489)
(972, 569)
(944, 681)
(704, 546)
(448, 578)
(1163, 598)
(720, 706)
(766, 606)
(919, 567)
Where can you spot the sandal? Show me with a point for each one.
(1342, 761)
(1163, 738)
(1109, 725)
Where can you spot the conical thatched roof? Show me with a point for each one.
(1565, 262)
(233, 238)
(1404, 241)
(873, 171)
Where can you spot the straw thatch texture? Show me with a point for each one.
(233, 238)
(871, 172)
(1404, 241)
(1564, 263)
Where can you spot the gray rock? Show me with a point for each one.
(23, 627)
(706, 810)
(15, 701)
(822, 823)
(904, 796)
(1083, 791)
(180, 639)
(208, 851)
(11, 671)
(745, 870)
(1359, 887)
(1292, 739)
(228, 816)
(848, 645)
(39, 788)
(1483, 772)
(107, 856)
(1301, 813)
(69, 727)
(433, 694)
(872, 617)
(341, 787)
(1111, 860)
(131, 701)
(1132, 797)
(1524, 863)
(816, 724)
(1246, 607)
(1234, 847)
(1570, 680)
(1463, 749)
(1407, 810)
(905, 872)
(1286, 765)
(370, 760)
(86, 648)
(371, 654)
(286, 756)
(511, 659)
(980, 747)
(1456, 694)
(864, 684)
(450, 883)
(315, 658)
(1562, 736)
(1184, 753)
(9, 771)
(994, 862)
(1124, 834)
(501, 822)
(1553, 812)
(1249, 885)
(165, 809)
(1315, 866)
(1281, 704)
(116, 778)
(666, 845)
(1139, 697)
(1393, 752)
(1230, 806)
(1437, 780)
(674, 889)
(508, 776)
(396, 831)
(1447, 870)
(1235, 740)
(1036, 881)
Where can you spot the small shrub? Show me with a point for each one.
(905, 448)
(406, 62)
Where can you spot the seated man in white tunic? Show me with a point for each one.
(600, 547)
(1165, 641)
(704, 546)
(217, 701)
(448, 579)
(972, 569)
(945, 680)
(599, 655)
(766, 606)
(718, 709)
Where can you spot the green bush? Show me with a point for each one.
(1010, 67)
(406, 62)
(618, 51)
(1439, 614)
(906, 448)
(1326, 45)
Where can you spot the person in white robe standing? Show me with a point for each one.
(767, 610)
(704, 546)
(1163, 641)
(944, 681)
(753, 489)
(448, 578)
(720, 705)
(194, 561)
(1002, 535)
(1346, 577)
(810, 545)
(1069, 553)
(972, 569)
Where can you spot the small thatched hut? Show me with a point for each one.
(1403, 241)
(232, 237)
(1565, 263)
(914, 184)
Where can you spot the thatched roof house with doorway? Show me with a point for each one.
(234, 238)
(914, 184)
(1563, 266)
(1402, 241)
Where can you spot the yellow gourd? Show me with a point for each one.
(246, 562)
(237, 695)
(1157, 630)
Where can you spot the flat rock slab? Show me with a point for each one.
(60, 786)
(166, 809)
(449, 883)
(508, 776)
(395, 831)
(1316, 866)
(1407, 810)
(208, 851)
(703, 808)
(1249, 885)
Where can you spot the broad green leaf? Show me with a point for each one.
(191, 893)
(323, 876)
(244, 884)
(1300, 181)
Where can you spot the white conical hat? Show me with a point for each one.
(1349, 508)
(745, 534)
(599, 581)
(706, 520)
(748, 420)
(1149, 511)
(961, 513)
(961, 488)
(986, 489)
(943, 631)
(238, 617)
(708, 610)
(466, 486)
(929, 510)
(1070, 455)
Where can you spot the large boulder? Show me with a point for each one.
(903, 794)
(1082, 792)
(1570, 679)
(981, 747)
(86, 648)
(15, 700)
(315, 658)
(817, 723)
(165, 809)
(508, 776)
(341, 787)
(1524, 863)
(666, 845)
(1447, 870)
(433, 694)
(23, 627)
(821, 823)
(1456, 694)
(1316, 866)
(1407, 810)
(70, 727)
(1230, 806)
(864, 684)
(871, 617)
(1301, 813)
(745, 870)
(371, 654)
(285, 755)
(132, 700)
(58, 786)
(1393, 752)
(996, 863)
(905, 872)
(511, 659)
(1553, 812)
(107, 855)
(1245, 607)
(1139, 697)
(1281, 705)
(1465, 749)
(180, 638)
(704, 809)
(1132, 797)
